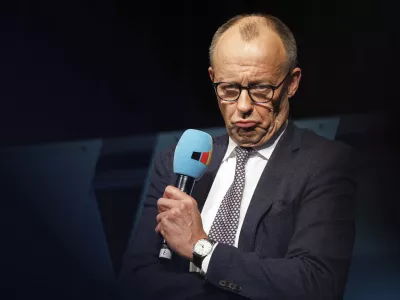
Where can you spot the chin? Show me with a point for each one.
(245, 137)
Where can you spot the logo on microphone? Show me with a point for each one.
(203, 157)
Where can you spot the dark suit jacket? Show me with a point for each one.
(296, 240)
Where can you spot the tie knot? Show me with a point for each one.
(243, 153)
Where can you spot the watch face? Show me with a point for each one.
(202, 247)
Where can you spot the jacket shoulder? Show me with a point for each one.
(321, 153)
(314, 142)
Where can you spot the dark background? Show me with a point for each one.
(77, 69)
(72, 70)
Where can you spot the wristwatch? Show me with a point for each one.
(201, 249)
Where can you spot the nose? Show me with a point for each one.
(244, 103)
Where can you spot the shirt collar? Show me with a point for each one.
(264, 151)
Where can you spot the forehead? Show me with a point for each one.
(264, 52)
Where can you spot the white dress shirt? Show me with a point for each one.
(224, 179)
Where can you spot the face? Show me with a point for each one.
(261, 60)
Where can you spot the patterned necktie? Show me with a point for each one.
(225, 224)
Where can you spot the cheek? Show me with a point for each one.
(227, 110)
(266, 113)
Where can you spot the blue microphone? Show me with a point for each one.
(192, 157)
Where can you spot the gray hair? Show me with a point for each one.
(250, 30)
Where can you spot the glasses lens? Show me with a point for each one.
(228, 91)
(261, 93)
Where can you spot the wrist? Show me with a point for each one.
(201, 250)
(200, 237)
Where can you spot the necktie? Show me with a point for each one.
(225, 224)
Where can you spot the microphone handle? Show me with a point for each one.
(185, 184)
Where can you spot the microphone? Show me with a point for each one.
(191, 158)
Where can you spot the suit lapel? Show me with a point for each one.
(203, 186)
(266, 190)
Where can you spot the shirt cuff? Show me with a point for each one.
(206, 260)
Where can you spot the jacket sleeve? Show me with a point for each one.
(143, 274)
(318, 257)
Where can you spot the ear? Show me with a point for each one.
(211, 73)
(295, 81)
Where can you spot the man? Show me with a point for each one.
(273, 216)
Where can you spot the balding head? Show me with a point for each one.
(251, 27)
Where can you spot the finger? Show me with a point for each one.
(161, 208)
(173, 215)
(163, 227)
(172, 192)
(157, 229)
(160, 216)
(165, 204)
(160, 229)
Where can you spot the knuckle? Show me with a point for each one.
(194, 203)
(176, 212)
(182, 205)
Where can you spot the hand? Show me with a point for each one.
(179, 221)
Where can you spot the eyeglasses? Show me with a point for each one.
(259, 93)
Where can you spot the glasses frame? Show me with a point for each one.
(241, 87)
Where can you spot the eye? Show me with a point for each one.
(260, 87)
(228, 91)
(261, 92)
(228, 86)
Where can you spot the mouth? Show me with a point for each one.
(245, 124)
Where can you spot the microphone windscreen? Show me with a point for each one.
(193, 153)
